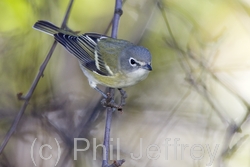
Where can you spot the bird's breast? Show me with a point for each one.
(118, 80)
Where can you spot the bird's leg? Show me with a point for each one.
(100, 91)
(123, 97)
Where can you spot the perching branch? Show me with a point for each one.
(116, 18)
(28, 96)
(111, 22)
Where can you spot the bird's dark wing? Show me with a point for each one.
(83, 47)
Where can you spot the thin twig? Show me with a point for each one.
(232, 127)
(118, 12)
(28, 96)
(107, 136)
(187, 67)
(116, 18)
(66, 17)
(111, 21)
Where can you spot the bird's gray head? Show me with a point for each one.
(134, 58)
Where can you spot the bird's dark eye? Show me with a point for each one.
(132, 62)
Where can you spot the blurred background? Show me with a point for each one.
(192, 110)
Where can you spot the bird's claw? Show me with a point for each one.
(109, 102)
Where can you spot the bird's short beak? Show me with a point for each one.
(147, 67)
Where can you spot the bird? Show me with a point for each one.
(106, 61)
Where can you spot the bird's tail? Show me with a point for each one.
(46, 27)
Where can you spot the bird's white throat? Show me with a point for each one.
(136, 76)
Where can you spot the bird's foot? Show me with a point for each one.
(123, 98)
(109, 102)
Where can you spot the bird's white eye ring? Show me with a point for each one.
(132, 62)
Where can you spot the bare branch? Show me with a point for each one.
(116, 19)
(28, 96)
(116, 163)
(186, 60)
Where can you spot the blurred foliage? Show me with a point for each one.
(198, 88)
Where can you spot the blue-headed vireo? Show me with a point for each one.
(107, 61)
